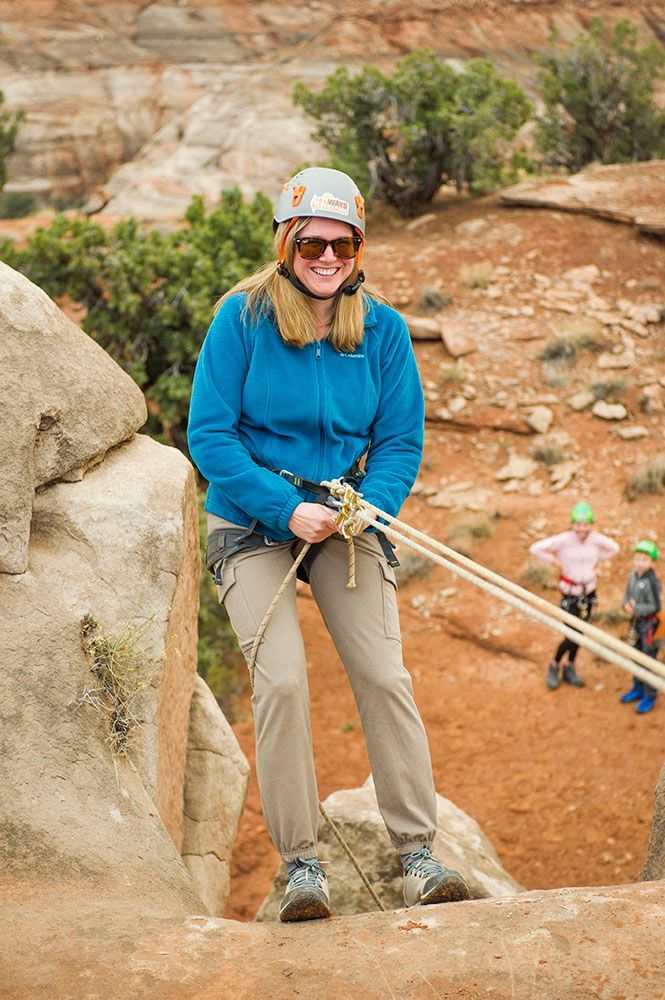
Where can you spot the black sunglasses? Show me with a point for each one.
(313, 247)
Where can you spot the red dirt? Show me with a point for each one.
(562, 782)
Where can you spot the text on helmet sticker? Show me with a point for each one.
(329, 203)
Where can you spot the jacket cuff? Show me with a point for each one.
(286, 512)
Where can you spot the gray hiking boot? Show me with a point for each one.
(306, 896)
(571, 676)
(427, 881)
(552, 681)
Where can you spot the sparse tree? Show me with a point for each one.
(402, 136)
(598, 98)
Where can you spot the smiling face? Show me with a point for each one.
(328, 273)
(582, 529)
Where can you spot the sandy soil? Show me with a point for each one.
(562, 782)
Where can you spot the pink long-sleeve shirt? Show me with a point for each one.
(577, 556)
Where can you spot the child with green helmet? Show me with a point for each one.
(642, 602)
(575, 554)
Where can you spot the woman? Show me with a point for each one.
(302, 369)
(575, 554)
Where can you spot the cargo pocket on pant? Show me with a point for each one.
(389, 596)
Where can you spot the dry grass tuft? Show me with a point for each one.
(649, 479)
(548, 453)
(462, 534)
(539, 574)
(119, 667)
(610, 391)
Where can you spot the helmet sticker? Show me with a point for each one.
(329, 203)
(297, 194)
(360, 205)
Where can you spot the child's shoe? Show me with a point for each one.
(646, 704)
(571, 676)
(552, 681)
(635, 694)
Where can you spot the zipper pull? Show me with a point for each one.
(318, 350)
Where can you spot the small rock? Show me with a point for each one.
(652, 399)
(456, 404)
(588, 273)
(456, 339)
(473, 227)
(581, 400)
(518, 467)
(535, 488)
(512, 486)
(615, 361)
(540, 419)
(561, 474)
(609, 411)
(422, 327)
(635, 327)
(646, 312)
(633, 432)
(422, 220)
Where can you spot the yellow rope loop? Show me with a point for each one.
(348, 520)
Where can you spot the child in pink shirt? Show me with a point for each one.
(575, 554)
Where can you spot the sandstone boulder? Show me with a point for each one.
(122, 546)
(459, 843)
(216, 777)
(540, 419)
(65, 404)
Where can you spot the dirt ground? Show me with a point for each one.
(562, 782)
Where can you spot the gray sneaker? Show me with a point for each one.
(552, 681)
(427, 881)
(571, 676)
(306, 896)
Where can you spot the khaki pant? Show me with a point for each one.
(364, 626)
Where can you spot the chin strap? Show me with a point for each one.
(347, 290)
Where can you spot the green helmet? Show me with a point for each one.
(321, 193)
(648, 547)
(582, 514)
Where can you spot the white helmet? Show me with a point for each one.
(321, 193)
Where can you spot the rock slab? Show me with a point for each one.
(65, 403)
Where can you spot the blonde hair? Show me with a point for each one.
(270, 293)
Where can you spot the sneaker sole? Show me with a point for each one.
(453, 889)
(306, 906)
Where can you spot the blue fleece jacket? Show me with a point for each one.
(311, 410)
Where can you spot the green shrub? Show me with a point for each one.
(598, 98)
(16, 204)
(610, 391)
(649, 479)
(149, 296)
(463, 533)
(9, 124)
(402, 136)
(566, 349)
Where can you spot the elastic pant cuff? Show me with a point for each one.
(410, 846)
(305, 853)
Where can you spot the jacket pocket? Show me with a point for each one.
(389, 596)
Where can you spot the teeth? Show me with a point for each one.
(327, 272)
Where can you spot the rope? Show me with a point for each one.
(251, 663)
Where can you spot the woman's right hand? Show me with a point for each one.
(312, 522)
